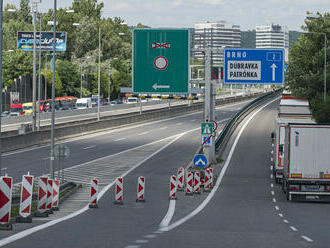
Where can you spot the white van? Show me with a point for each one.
(84, 103)
(132, 100)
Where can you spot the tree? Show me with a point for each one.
(24, 12)
(306, 63)
(69, 76)
(48, 74)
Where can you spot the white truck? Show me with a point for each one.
(84, 103)
(291, 110)
(307, 162)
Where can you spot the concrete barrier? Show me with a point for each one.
(78, 128)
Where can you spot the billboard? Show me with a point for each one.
(25, 41)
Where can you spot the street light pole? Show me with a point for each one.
(109, 82)
(99, 75)
(52, 144)
(39, 79)
(81, 79)
(325, 68)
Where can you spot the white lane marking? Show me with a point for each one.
(193, 120)
(180, 123)
(272, 192)
(89, 147)
(158, 232)
(307, 239)
(271, 176)
(272, 144)
(285, 221)
(222, 173)
(119, 139)
(277, 208)
(293, 228)
(112, 130)
(144, 133)
(272, 185)
(141, 241)
(274, 200)
(271, 159)
(169, 215)
(133, 246)
(45, 158)
(150, 236)
(162, 128)
(271, 167)
(272, 152)
(281, 215)
(32, 230)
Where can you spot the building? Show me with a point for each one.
(216, 35)
(273, 36)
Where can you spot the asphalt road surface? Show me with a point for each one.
(245, 209)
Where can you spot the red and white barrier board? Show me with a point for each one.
(6, 184)
(207, 180)
(42, 194)
(26, 196)
(180, 178)
(211, 177)
(56, 193)
(119, 188)
(189, 183)
(49, 194)
(94, 192)
(141, 189)
(173, 187)
(197, 182)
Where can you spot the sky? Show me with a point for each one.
(185, 13)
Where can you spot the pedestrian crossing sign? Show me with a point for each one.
(207, 128)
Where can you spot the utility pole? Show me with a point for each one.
(81, 79)
(52, 143)
(109, 83)
(99, 76)
(1, 38)
(34, 79)
(39, 79)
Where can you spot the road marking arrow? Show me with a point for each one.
(273, 66)
(155, 86)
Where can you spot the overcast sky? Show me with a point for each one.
(185, 13)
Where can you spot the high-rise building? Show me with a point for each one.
(216, 35)
(273, 36)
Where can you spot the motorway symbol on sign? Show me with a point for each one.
(253, 66)
(161, 61)
(200, 160)
(206, 128)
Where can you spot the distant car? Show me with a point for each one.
(4, 114)
(14, 114)
(115, 102)
(131, 100)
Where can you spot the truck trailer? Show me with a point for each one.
(306, 173)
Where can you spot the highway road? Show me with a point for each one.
(245, 209)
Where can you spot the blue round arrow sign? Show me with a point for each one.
(200, 160)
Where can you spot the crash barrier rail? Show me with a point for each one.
(83, 127)
(230, 126)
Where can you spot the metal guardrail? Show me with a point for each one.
(238, 117)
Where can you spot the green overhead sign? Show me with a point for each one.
(161, 60)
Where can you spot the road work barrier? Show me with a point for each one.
(94, 192)
(189, 183)
(26, 199)
(56, 194)
(207, 180)
(119, 188)
(140, 190)
(197, 182)
(173, 187)
(6, 184)
(82, 127)
(42, 197)
(180, 176)
(50, 196)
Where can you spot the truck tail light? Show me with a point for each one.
(294, 187)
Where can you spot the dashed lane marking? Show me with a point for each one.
(272, 192)
(120, 139)
(141, 241)
(150, 236)
(272, 185)
(281, 215)
(307, 239)
(89, 147)
(274, 200)
(271, 176)
(293, 229)
(286, 221)
(133, 246)
(277, 208)
(162, 128)
(144, 133)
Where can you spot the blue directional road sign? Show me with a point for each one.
(253, 66)
(200, 160)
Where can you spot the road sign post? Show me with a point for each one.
(254, 66)
(161, 61)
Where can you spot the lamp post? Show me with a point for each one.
(1, 7)
(99, 76)
(313, 16)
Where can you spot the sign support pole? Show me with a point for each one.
(209, 151)
(34, 79)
